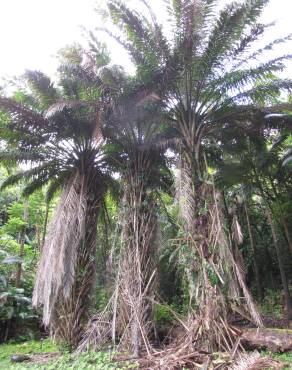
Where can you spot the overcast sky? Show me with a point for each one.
(32, 31)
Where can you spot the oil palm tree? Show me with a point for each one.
(59, 132)
(206, 75)
(143, 170)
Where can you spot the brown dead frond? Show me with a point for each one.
(57, 266)
(66, 268)
(252, 361)
(99, 330)
(212, 264)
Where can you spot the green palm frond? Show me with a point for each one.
(26, 175)
(42, 87)
(226, 32)
(54, 185)
(21, 114)
(256, 54)
(18, 156)
(12, 180)
(38, 182)
(263, 92)
(237, 80)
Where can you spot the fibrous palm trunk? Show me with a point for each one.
(213, 267)
(67, 266)
(136, 278)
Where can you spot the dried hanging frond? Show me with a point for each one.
(255, 315)
(57, 265)
(67, 265)
(213, 264)
(236, 231)
(99, 329)
(252, 361)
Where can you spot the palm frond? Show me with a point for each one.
(60, 105)
(26, 175)
(252, 361)
(18, 156)
(42, 87)
(38, 182)
(21, 113)
(54, 185)
(226, 31)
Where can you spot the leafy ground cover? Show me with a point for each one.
(285, 358)
(45, 357)
(24, 348)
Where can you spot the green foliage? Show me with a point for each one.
(163, 314)
(14, 303)
(16, 314)
(272, 304)
(285, 358)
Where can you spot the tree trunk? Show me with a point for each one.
(21, 244)
(70, 313)
(212, 267)
(288, 298)
(66, 270)
(255, 259)
(137, 272)
(275, 340)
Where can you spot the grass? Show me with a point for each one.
(26, 348)
(286, 358)
(85, 361)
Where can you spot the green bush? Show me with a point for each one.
(162, 314)
(272, 304)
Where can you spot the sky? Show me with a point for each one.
(32, 31)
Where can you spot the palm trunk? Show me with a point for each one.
(71, 312)
(21, 244)
(67, 266)
(212, 264)
(255, 258)
(288, 297)
(136, 278)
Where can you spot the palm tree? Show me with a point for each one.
(144, 172)
(206, 77)
(64, 144)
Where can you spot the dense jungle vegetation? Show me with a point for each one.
(146, 219)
